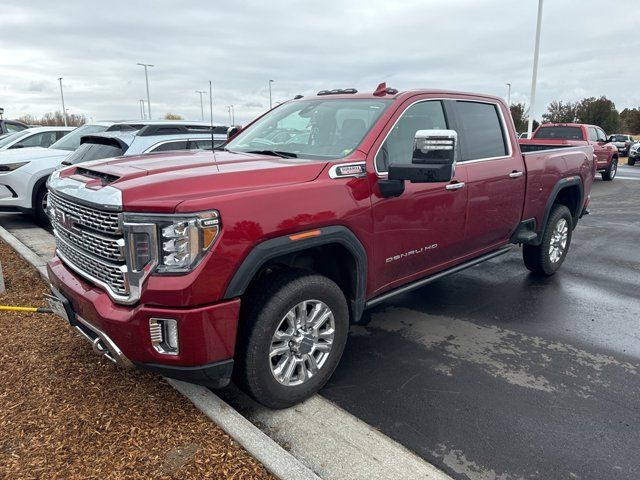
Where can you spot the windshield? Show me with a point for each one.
(560, 133)
(71, 141)
(312, 128)
(7, 138)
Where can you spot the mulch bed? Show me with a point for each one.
(66, 413)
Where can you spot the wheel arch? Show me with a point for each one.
(334, 252)
(34, 192)
(568, 192)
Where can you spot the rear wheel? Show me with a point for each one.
(610, 173)
(294, 331)
(546, 258)
(631, 161)
(40, 207)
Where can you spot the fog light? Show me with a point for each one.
(164, 335)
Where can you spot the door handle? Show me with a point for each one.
(455, 186)
(515, 174)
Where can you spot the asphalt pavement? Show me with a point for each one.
(495, 374)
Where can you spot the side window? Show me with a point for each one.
(60, 134)
(593, 135)
(602, 137)
(169, 146)
(398, 146)
(480, 130)
(38, 140)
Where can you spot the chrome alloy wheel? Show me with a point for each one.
(302, 342)
(559, 239)
(614, 168)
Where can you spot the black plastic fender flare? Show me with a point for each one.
(275, 247)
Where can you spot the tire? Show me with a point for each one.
(631, 161)
(39, 209)
(610, 173)
(274, 357)
(543, 259)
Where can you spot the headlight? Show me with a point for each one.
(176, 243)
(10, 167)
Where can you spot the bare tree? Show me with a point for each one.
(173, 116)
(54, 119)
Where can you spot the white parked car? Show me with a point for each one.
(24, 172)
(33, 137)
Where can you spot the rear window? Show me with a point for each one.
(560, 133)
(481, 131)
(93, 151)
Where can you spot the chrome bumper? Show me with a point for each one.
(102, 344)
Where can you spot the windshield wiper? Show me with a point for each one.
(275, 153)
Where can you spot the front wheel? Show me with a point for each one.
(40, 207)
(294, 331)
(546, 258)
(610, 173)
(631, 161)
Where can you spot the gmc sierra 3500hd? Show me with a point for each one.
(254, 261)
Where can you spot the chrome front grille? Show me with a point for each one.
(90, 242)
(105, 222)
(114, 276)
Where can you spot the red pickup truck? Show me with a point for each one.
(253, 260)
(558, 135)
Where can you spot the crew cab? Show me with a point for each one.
(558, 135)
(251, 261)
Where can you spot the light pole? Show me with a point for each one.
(508, 94)
(270, 104)
(229, 110)
(534, 76)
(141, 102)
(64, 110)
(146, 77)
(201, 92)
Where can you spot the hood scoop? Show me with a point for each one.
(104, 178)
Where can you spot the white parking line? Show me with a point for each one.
(619, 177)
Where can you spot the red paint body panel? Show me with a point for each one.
(264, 197)
(207, 333)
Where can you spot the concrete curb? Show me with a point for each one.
(274, 458)
(25, 252)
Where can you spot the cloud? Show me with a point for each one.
(304, 47)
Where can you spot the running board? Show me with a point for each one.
(425, 281)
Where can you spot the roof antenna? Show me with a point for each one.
(213, 145)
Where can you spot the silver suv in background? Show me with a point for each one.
(151, 138)
(622, 142)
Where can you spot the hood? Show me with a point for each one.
(29, 154)
(160, 182)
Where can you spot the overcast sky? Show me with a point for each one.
(588, 48)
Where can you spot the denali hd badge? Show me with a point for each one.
(411, 252)
(348, 170)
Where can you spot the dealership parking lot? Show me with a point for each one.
(492, 373)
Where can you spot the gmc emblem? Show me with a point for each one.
(67, 221)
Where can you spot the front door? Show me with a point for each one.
(423, 228)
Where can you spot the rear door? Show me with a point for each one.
(495, 176)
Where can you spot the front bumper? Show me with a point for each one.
(207, 334)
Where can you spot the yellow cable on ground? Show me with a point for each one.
(9, 308)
